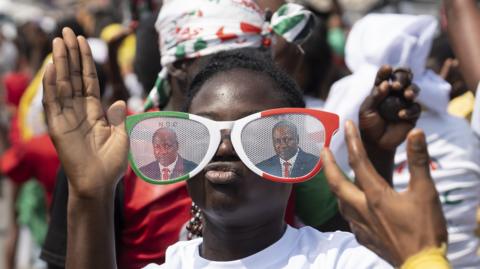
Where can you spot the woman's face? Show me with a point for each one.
(227, 191)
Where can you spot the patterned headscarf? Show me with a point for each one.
(191, 29)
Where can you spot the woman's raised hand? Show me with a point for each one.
(395, 225)
(92, 144)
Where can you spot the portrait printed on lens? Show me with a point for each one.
(168, 148)
(287, 147)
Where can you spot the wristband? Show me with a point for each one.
(429, 258)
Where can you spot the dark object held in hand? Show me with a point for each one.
(396, 100)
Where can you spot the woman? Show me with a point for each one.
(243, 213)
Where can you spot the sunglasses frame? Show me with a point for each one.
(330, 122)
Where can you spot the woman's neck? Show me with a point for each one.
(221, 243)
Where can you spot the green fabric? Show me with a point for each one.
(314, 202)
(32, 210)
(180, 52)
(336, 39)
(288, 24)
(200, 44)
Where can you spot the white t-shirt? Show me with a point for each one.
(455, 168)
(476, 113)
(297, 249)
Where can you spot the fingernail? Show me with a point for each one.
(417, 140)
(348, 125)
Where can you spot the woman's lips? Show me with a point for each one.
(221, 173)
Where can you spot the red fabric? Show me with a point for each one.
(15, 85)
(14, 134)
(153, 218)
(290, 211)
(35, 158)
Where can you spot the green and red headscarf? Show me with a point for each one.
(191, 29)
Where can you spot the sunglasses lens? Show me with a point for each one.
(284, 147)
(165, 149)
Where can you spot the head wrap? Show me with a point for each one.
(191, 29)
(375, 40)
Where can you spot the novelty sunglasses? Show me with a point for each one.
(282, 145)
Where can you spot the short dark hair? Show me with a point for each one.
(285, 123)
(250, 59)
(170, 130)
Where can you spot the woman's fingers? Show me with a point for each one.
(62, 71)
(411, 92)
(116, 114)
(411, 113)
(91, 90)
(89, 72)
(74, 61)
(365, 174)
(383, 74)
(346, 191)
(418, 161)
(51, 103)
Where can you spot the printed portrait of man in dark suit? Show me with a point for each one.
(291, 160)
(168, 164)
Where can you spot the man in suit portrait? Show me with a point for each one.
(168, 163)
(291, 160)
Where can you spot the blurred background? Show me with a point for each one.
(27, 28)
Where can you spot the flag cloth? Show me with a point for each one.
(191, 29)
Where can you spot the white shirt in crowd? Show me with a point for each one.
(297, 249)
(476, 113)
(455, 168)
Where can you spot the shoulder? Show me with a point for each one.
(268, 161)
(188, 163)
(150, 165)
(306, 156)
(338, 250)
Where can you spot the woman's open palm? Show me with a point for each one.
(91, 144)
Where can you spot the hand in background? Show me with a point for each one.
(390, 111)
(387, 115)
(395, 225)
(92, 145)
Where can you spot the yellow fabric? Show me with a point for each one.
(462, 106)
(126, 52)
(433, 258)
(110, 31)
(26, 129)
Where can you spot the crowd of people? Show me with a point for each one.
(241, 134)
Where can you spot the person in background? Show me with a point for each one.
(138, 200)
(462, 19)
(454, 160)
(406, 228)
(207, 98)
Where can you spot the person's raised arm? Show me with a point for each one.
(404, 228)
(92, 146)
(387, 115)
(463, 24)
